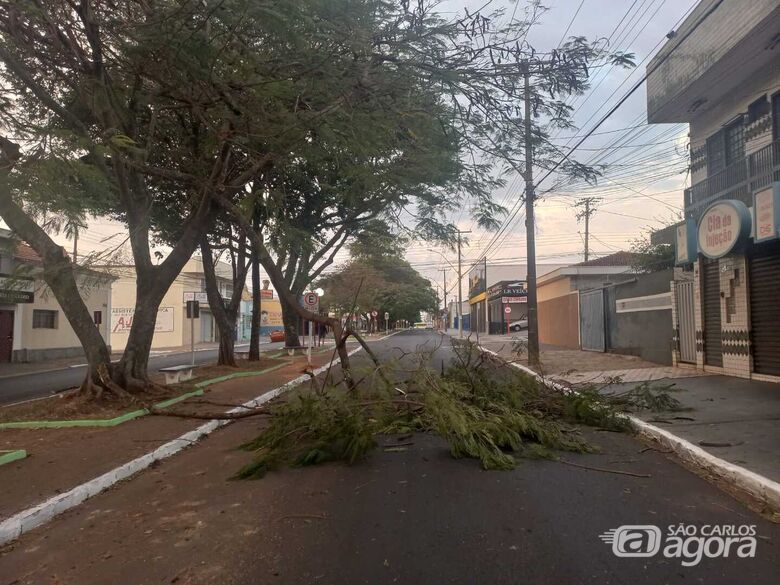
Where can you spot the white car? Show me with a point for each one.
(518, 325)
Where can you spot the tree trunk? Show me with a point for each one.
(254, 337)
(59, 274)
(225, 314)
(132, 370)
(290, 320)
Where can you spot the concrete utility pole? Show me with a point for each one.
(588, 208)
(75, 245)
(487, 313)
(447, 318)
(460, 286)
(533, 317)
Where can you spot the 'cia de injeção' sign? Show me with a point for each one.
(723, 227)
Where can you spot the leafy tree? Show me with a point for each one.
(377, 278)
(134, 107)
(649, 257)
(466, 78)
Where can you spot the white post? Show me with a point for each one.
(311, 340)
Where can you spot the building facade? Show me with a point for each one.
(172, 328)
(33, 327)
(720, 73)
(486, 313)
(562, 320)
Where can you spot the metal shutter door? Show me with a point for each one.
(713, 348)
(592, 320)
(765, 307)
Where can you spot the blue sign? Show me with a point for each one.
(685, 248)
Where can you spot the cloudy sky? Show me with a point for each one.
(646, 165)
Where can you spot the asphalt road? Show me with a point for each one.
(419, 516)
(408, 515)
(40, 384)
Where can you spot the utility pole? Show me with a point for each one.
(588, 208)
(75, 245)
(533, 317)
(487, 313)
(460, 286)
(447, 318)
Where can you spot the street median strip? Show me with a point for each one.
(24, 521)
(118, 420)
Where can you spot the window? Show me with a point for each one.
(716, 154)
(776, 116)
(725, 147)
(758, 109)
(43, 319)
(735, 142)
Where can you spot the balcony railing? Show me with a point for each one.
(737, 181)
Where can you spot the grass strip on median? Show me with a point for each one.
(112, 422)
(13, 527)
(9, 456)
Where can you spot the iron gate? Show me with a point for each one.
(592, 323)
(685, 322)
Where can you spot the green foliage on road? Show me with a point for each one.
(483, 408)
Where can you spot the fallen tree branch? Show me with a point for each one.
(602, 469)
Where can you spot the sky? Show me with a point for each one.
(642, 186)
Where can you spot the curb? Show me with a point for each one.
(24, 521)
(754, 484)
(14, 455)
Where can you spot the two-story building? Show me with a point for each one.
(720, 73)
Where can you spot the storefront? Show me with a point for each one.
(734, 252)
(507, 303)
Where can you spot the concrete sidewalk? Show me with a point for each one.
(730, 429)
(731, 418)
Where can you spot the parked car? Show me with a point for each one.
(276, 335)
(518, 325)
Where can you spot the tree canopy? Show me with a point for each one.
(299, 121)
(377, 278)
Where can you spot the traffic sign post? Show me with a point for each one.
(193, 312)
(507, 311)
(387, 322)
(311, 301)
